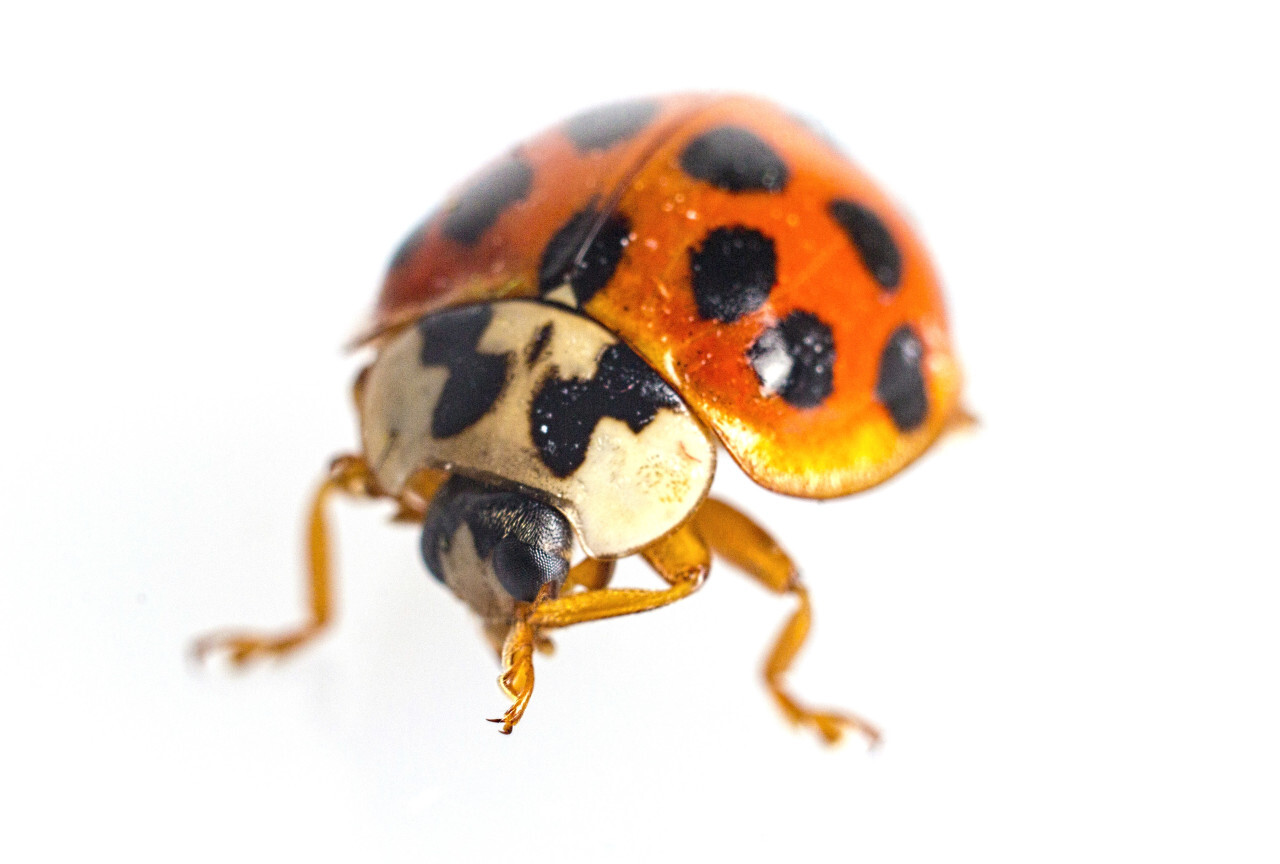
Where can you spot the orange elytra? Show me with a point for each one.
(558, 348)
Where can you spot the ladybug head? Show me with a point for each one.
(494, 547)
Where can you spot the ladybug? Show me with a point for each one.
(562, 347)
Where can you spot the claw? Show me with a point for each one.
(514, 713)
(242, 648)
(833, 726)
(830, 725)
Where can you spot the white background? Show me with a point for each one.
(1065, 622)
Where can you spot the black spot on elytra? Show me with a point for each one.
(585, 252)
(733, 272)
(449, 339)
(483, 201)
(900, 383)
(526, 542)
(565, 413)
(601, 128)
(539, 344)
(872, 240)
(734, 159)
(796, 359)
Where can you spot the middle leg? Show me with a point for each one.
(740, 541)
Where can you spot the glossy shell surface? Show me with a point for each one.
(771, 283)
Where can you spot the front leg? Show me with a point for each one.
(681, 558)
(348, 475)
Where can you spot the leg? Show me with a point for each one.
(516, 679)
(349, 475)
(961, 419)
(741, 542)
(590, 574)
(414, 500)
(681, 559)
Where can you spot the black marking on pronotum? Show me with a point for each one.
(585, 252)
(449, 339)
(796, 360)
(734, 159)
(601, 128)
(565, 413)
(525, 542)
(484, 200)
(900, 384)
(733, 272)
(872, 240)
(539, 344)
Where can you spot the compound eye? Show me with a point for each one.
(523, 569)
